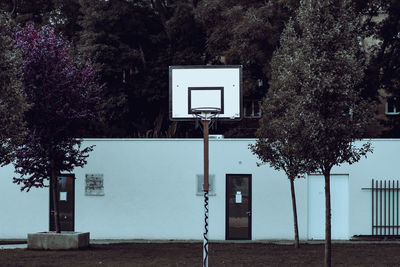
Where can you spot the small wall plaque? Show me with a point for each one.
(94, 185)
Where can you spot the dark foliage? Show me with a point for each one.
(387, 58)
(246, 33)
(62, 94)
(12, 99)
(137, 40)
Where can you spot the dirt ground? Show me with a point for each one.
(221, 254)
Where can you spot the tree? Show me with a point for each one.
(184, 44)
(380, 35)
(279, 144)
(12, 98)
(244, 32)
(62, 94)
(38, 11)
(387, 57)
(61, 14)
(136, 41)
(282, 139)
(127, 38)
(329, 66)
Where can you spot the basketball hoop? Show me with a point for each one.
(205, 113)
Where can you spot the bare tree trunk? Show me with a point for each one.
(296, 227)
(172, 129)
(328, 246)
(54, 189)
(158, 124)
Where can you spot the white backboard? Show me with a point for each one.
(205, 87)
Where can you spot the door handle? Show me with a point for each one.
(248, 213)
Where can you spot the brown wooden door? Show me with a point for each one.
(66, 203)
(238, 206)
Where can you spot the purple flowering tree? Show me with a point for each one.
(63, 94)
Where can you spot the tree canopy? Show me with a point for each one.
(282, 138)
(12, 98)
(246, 33)
(135, 42)
(62, 94)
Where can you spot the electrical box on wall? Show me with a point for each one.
(216, 136)
(211, 184)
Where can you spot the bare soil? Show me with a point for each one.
(221, 254)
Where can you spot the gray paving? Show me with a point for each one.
(16, 244)
(264, 241)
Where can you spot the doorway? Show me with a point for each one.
(66, 203)
(339, 184)
(238, 207)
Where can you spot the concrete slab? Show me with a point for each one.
(13, 246)
(58, 241)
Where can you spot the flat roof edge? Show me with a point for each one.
(211, 139)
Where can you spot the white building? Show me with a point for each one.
(149, 189)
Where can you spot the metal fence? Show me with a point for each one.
(385, 207)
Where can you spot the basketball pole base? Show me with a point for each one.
(205, 235)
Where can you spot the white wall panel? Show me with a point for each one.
(150, 192)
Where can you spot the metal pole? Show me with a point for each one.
(205, 134)
(380, 219)
(393, 210)
(384, 213)
(205, 188)
(377, 208)
(372, 211)
(397, 197)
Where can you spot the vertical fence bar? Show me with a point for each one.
(392, 204)
(384, 207)
(393, 209)
(380, 210)
(389, 225)
(376, 206)
(385, 210)
(372, 207)
(390, 210)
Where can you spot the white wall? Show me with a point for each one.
(21, 212)
(150, 191)
(382, 164)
